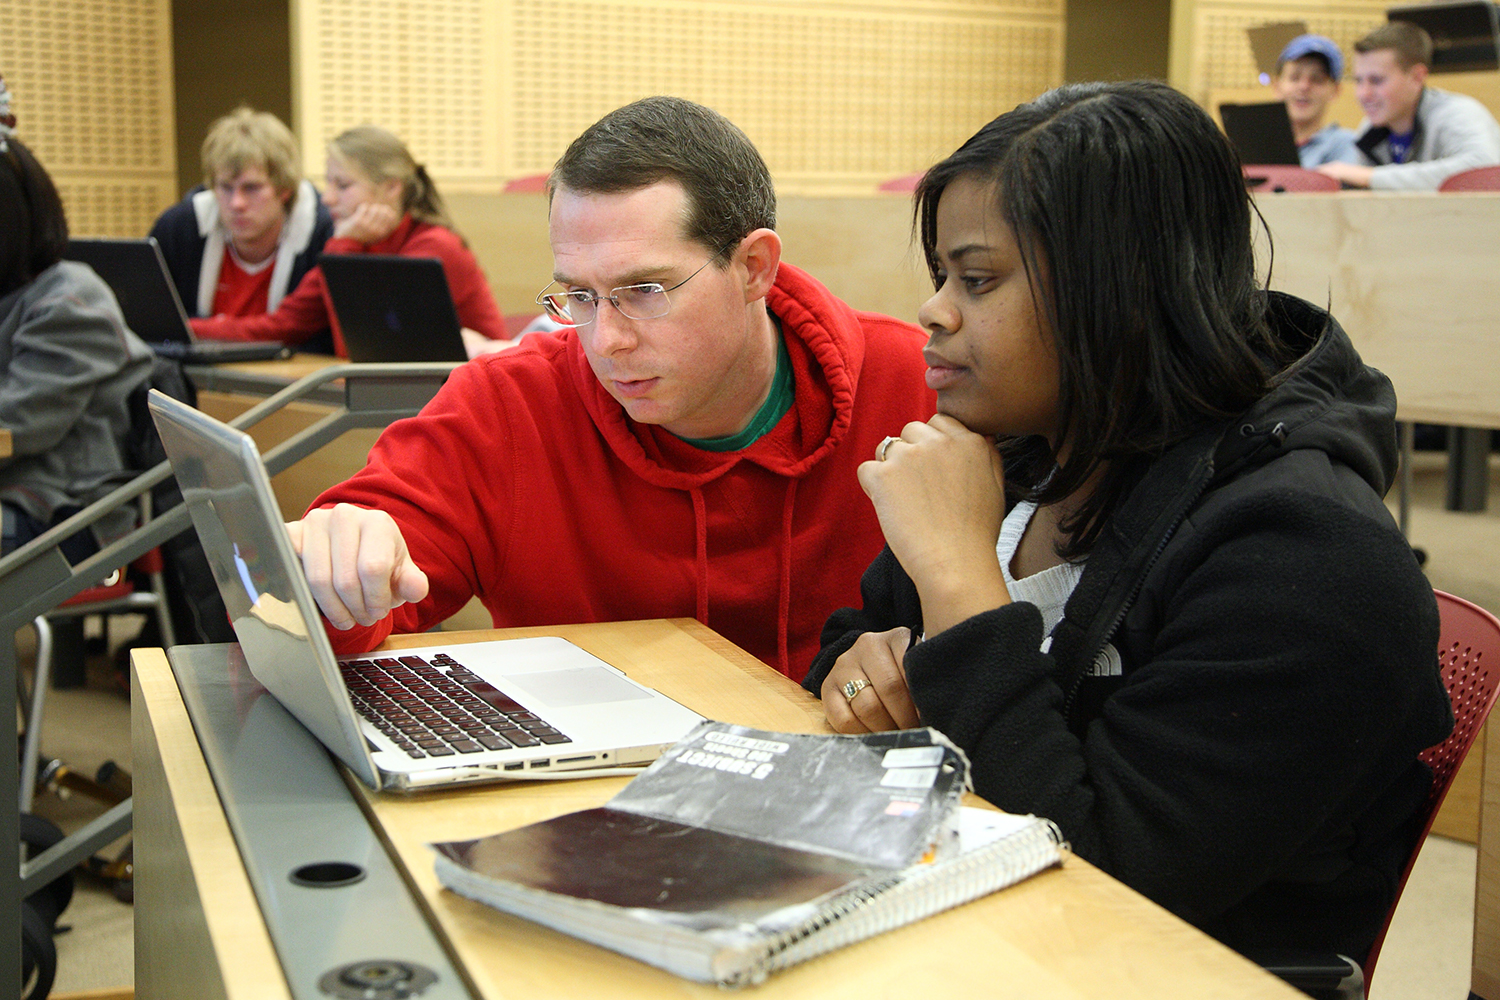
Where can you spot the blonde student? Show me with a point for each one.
(382, 201)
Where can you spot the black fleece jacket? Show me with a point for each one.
(1253, 764)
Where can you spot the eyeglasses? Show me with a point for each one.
(647, 300)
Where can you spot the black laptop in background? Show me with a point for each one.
(1262, 133)
(392, 308)
(136, 272)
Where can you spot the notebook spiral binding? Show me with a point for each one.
(908, 896)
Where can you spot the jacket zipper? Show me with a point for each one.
(1278, 434)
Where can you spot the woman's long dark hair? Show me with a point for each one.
(33, 226)
(1133, 221)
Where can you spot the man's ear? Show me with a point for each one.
(1419, 73)
(761, 253)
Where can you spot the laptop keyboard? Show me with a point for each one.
(437, 707)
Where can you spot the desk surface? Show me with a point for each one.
(1411, 276)
(1069, 932)
(6, 445)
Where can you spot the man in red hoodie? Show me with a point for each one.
(685, 448)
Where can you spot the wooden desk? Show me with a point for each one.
(1069, 932)
(6, 444)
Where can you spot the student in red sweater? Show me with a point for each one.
(382, 201)
(687, 448)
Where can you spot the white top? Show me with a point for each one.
(1050, 589)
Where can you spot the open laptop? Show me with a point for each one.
(137, 273)
(1262, 133)
(392, 308)
(408, 719)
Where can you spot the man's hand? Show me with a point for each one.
(356, 564)
(1351, 174)
(368, 223)
(882, 702)
(476, 343)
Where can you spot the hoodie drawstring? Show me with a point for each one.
(784, 597)
(700, 519)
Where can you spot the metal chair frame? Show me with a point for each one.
(36, 578)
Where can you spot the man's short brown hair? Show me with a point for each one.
(1410, 44)
(729, 189)
(248, 138)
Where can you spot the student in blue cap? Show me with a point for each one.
(1307, 79)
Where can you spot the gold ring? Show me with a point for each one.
(854, 687)
(882, 448)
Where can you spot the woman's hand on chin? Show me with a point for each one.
(939, 491)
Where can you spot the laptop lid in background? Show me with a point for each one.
(152, 308)
(1262, 133)
(1267, 42)
(137, 273)
(392, 308)
(1465, 35)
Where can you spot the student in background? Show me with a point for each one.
(67, 365)
(382, 201)
(240, 243)
(1307, 79)
(1414, 136)
(686, 448)
(1138, 565)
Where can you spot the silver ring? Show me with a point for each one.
(854, 687)
(882, 448)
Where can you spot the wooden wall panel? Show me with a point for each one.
(839, 95)
(92, 85)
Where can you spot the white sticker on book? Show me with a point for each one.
(910, 777)
(913, 757)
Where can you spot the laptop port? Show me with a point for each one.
(540, 763)
(516, 766)
(574, 760)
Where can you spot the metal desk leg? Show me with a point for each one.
(10, 824)
(1468, 468)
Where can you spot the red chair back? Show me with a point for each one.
(906, 183)
(1469, 658)
(1477, 179)
(532, 183)
(1278, 177)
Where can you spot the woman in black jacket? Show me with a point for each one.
(1200, 645)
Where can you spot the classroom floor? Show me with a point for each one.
(1426, 955)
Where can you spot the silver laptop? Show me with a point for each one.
(406, 719)
(137, 273)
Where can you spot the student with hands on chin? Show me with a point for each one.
(1138, 566)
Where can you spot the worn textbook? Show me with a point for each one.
(740, 852)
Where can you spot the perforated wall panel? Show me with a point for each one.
(92, 83)
(1221, 50)
(837, 95)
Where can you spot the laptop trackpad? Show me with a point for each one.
(578, 686)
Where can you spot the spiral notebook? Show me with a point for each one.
(741, 852)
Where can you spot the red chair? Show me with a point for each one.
(904, 184)
(532, 183)
(1278, 177)
(1477, 179)
(1469, 658)
(116, 594)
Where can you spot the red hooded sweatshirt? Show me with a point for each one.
(523, 482)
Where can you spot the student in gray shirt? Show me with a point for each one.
(1414, 136)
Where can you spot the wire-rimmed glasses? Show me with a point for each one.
(646, 300)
